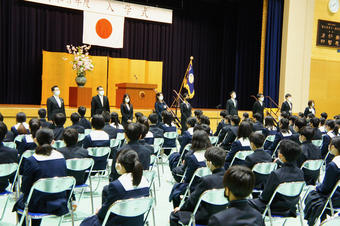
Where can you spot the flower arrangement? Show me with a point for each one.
(81, 61)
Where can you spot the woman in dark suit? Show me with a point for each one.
(126, 109)
(160, 106)
(185, 112)
(310, 109)
(45, 163)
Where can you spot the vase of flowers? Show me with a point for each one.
(81, 62)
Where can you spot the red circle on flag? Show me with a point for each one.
(103, 28)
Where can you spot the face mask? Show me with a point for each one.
(101, 93)
(234, 96)
(160, 97)
(57, 92)
(127, 100)
(290, 99)
(312, 104)
(261, 99)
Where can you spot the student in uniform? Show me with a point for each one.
(198, 113)
(222, 123)
(245, 117)
(314, 123)
(231, 133)
(115, 123)
(97, 137)
(21, 127)
(130, 184)
(9, 137)
(27, 142)
(310, 109)
(215, 157)
(258, 125)
(75, 118)
(292, 120)
(55, 104)
(160, 105)
(298, 125)
(83, 121)
(324, 115)
(168, 126)
(289, 151)
(322, 126)
(258, 106)
(126, 109)
(112, 132)
(70, 137)
(154, 129)
(99, 103)
(287, 105)
(259, 156)
(143, 138)
(42, 118)
(185, 111)
(269, 130)
(45, 163)
(239, 183)
(59, 121)
(7, 155)
(308, 152)
(186, 136)
(284, 133)
(232, 105)
(331, 130)
(240, 144)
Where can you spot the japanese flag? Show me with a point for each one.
(103, 30)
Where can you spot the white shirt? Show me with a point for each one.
(101, 100)
(234, 101)
(128, 106)
(58, 100)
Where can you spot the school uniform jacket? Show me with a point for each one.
(286, 107)
(149, 139)
(219, 127)
(193, 161)
(112, 132)
(156, 131)
(97, 107)
(185, 114)
(230, 137)
(7, 155)
(223, 132)
(186, 138)
(14, 129)
(238, 213)
(326, 139)
(278, 137)
(53, 107)
(73, 151)
(85, 123)
(78, 127)
(267, 132)
(58, 132)
(27, 143)
(232, 109)
(127, 113)
(317, 134)
(258, 108)
(238, 145)
(257, 126)
(309, 111)
(44, 123)
(169, 142)
(159, 108)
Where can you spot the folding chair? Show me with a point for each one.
(185, 150)
(157, 147)
(214, 197)
(269, 138)
(19, 138)
(290, 189)
(120, 138)
(333, 221)
(200, 172)
(6, 170)
(264, 168)
(25, 155)
(241, 155)
(58, 144)
(312, 165)
(10, 144)
(78, 165)
(51, 186)
(317, 143)
(130, 208)
(81, 137)
(275, 151)
(213, 140)
(170, 136)
(150, 176)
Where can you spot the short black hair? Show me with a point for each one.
(293, 118)
(257, 139)
(70, 136)
(246, 115)
(288, 95)
(216, 156)
(75, 117)
(315, 122)
(310, 102)
(167, 117)
(133, 131)
(42, 113)
(198, 113)
(244, 130)
(138, 115)
(223, 113)
(259, 95)
(231, 92)
(3, 131)
(301, 114)
(284, 125)
(322, 121)
(82, 111)
(269, 121)
(200, 140)
(191, 121)
(53, 87)
(205, 120)
(235, 119)
(258, 117)
(307, 132)
(239, 180)
(98, 122)
(300, 122)
(153, 118)
(98, 87)
(1, 117)
(203, 127)
(310, 115)
(290, 150)
(324, 115)
(34, 124)
(106, 115)
(284, 115)
(59, 119)
(145, 129)
(21, 117)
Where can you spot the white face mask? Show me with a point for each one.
(127, 100)
(261, 99)
(57, 93)
(289, 99)
(160, 97)
(101, 92)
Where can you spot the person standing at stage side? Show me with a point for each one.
(99, 103)
(258, 106)
(160, 106)
(55, 104)
(287, 105)
(185, 112)
(232, 105)
(126, 109)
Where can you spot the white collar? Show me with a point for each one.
(336, 160)
(24, 124)
(286, 134)
(56, 97)
(331, 134)
(99, 135)
(244, 142)
(54, 155)
(191, 131)
(29, 138)
(199, 155)
(126, 181)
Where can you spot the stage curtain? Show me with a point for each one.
(273, 49)
(225, 47)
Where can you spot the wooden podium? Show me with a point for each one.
(142, 95)
(80, 96)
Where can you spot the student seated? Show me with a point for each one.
(222, 123)
(112, 132)
(97, 137)
(59, 121)
(317, 199)
(298, 125)
(198, 113)
(259, 156)
(83, 121)
(115, 123)
(27, 142)
(71, 151)
(42, 118)
(289, 151)
(168, 126)
(21, 127)
(309, 152)
(331, 130)
(258, 125)
(322, 125)
(45, 163)
(138, 115)
(75, 117)
(9, 137)
(215, 157)
(224, 129)
(238, 182)
(142, 140)
(284, 133)
(292, 120)
(314, 123)
(205, 120)
(147, 135)
(186, 136)
(7, 155)
(131, 184)
(133, 133)
(240, 144)
(269, 130)
(231, 133)
(154, 129)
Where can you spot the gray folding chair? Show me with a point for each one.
(185, 150)
(81, 137)
(333, 221)
(130, 208)
(120, 138)
(82, 164)
(264, 168)
(317, 143)
(170, 136)
(276, 148)
(87, 131)
(6, 170)
(241, 155)
(25, 155)
(312, 165)
(10, 144)
(213, 197)
(19, 138)
(213, 140)
(200, 172)
(58, 144)
(51, 186)
(289, 189)
(150, 176)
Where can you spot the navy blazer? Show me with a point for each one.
(285, 107)
(238, 213)
(97, 107)
(35, 168)
(169, 143)
(156, 131)
(111, 131)
(58, 132)
(266, 132)
(220, 125)
(27, 143)
(257, 126)
(193, 161)
(317, 134)
(15, 127)
(186, 138)
(258, 156)
(326, 139)
(185, 114)
(308, 111)
(97, 138)
(159, 108)
(85, 123)
(278, 137)
(231, 108)
(78, 127)
(73, 151)
(237, 145)
(223, 132)
(9, 137)
(205, 210)
(127, 114)
(230, 137)
(44, 123)
(258, 108)
(53, 107)
(7, 155)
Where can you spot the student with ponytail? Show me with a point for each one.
(45, 163)
(331, 130)
(27, 142)
(130, 184)
(21, 127)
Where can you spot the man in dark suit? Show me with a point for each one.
(232, 105)
(42, 118)
(258, 125)
(287, 105)
(55, 104)
(185, 112)
(222, 123)
(59, 121)
(108, 128)
(258, 106)
(239, 183)
(215, 157)
(99, 103)
(75, 117)
(83, 121)
(7, 155)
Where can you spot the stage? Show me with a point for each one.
(9, 112)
